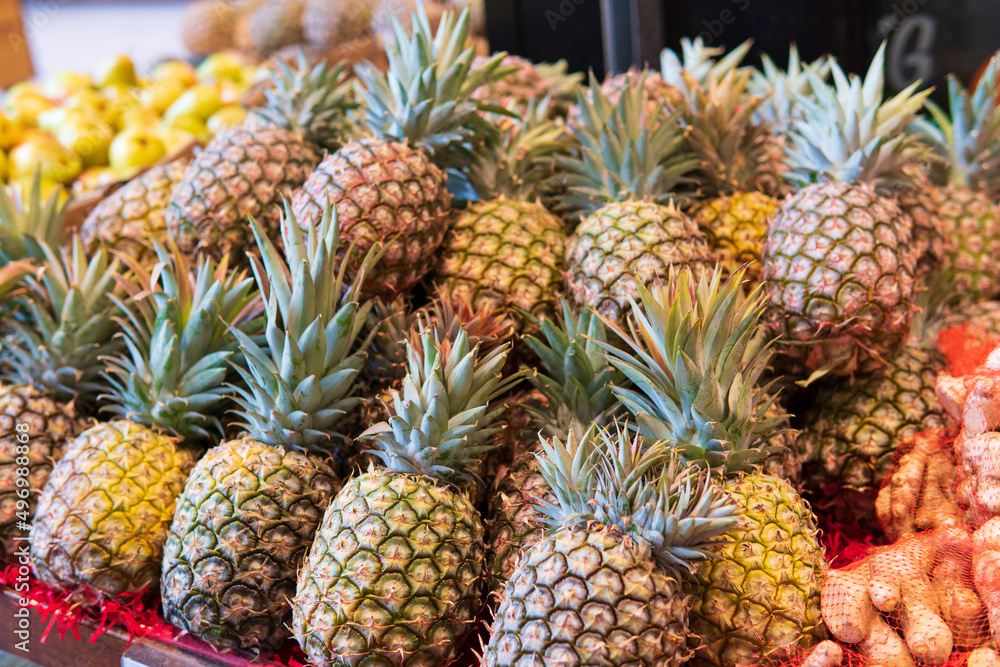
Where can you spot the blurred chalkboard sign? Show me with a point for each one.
(548, 30)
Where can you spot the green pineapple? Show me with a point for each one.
(969, 143)
(135, 214)
(622, 181)
(105, 512)
(395, 574)
(506, 249)
(604, 586)
(838, 261)
(278, 477)
(731, 147)
(696, 357)
(251, 167)
(27, 218)
(780, 91)
(573, 386)
(391, 186)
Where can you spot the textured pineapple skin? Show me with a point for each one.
(246, 170)
(839, 270)
(51, 425)
(385, 193)
(208, 26)
(971, 230)
(138, 209)
(736, 226)
(242, 526)
(330, 23)
(105, 512)
(394, 575)
(851, 440)
(504, 252)
(923, 202)
(625, 242)
(760, 600)
(516, 522)
(589, 596)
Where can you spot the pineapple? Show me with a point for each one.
(604, 587)
(573, 385)
(249, 168)
(277, 478)
(526, 81)
(209, 26)
(135, 214)
(391, 186)
(732, 150)
(506, 249)
(105, 512)
(622, 180)
(330, 23)
(696, 356)
(395, 573)
(699, 65)
(779, 91)
(275, 25)
(969, 142)
(838, 261)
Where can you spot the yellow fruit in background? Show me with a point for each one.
(222, 65)
(161, 94)
(174, 138)
(201, 100)
(175, 70)
(116, 70)
(3, 166)
(226, 117)
(62, 85)
(25, 107)
(19, 89)
(90, 138)
(137, 115)
(53, 119)
(231, 92)
(136, 146)
(10, 132)
(41, 152)
(95, 102)
(188, 123)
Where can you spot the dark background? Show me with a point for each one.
(926, 38)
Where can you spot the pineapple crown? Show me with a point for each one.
(517, 159)
(575, 377)
(12, 275)
(313, 101)
(27, 221)
(70, 325)
(847, 132)
(969, 141)
(696, 362)
(425, 98)
(779, 89)
(721, 129)
(440, 419)
(639, 489)
(447, 315)
(302, 386)
(528, 80)
(699, 65)
(622, 153)
(176, 324)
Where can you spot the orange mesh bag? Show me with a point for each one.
(932, 596)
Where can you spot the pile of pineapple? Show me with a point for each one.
(468, 341)
(350, 30)
(82, 131)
